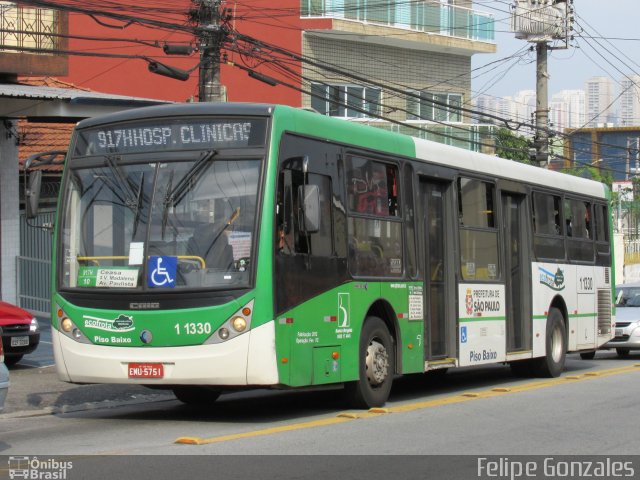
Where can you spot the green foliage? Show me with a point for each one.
(513, 147)
(594, 173)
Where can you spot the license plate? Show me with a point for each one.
(19, 341)
(146, 370)
(618, 332)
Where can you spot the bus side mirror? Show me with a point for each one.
(32, 193)
(310, 195)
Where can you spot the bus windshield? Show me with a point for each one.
(159, 225)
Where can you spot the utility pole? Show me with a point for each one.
(540, 22)
(206, 15)
(541, 139)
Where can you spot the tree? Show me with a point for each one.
(513, 147)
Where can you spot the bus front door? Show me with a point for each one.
(434, 246)
(517, 267)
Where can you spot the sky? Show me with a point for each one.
(607, 43)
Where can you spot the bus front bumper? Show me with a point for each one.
(248, 359)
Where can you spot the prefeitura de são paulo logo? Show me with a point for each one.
(38, 468)
(468, 301)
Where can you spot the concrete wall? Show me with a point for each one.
(414, 69)
(9, 209)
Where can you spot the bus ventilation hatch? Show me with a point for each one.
(604, 311)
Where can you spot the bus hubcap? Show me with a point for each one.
(377, 363)
(556, 345)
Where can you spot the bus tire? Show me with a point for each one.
(552, 364)
(622, 352)
(196, 395)
(376, 366)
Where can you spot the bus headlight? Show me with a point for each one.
(239, 324)
(69, 329)
(66, 324)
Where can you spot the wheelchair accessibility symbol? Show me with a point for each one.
(463, 334)
(162, 272)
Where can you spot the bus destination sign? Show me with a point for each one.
(177, 135)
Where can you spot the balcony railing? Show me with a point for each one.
(430, 16)
(28, 28)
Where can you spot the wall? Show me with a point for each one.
(419, 70)
(9, 206)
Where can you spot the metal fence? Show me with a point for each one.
(631, 251)
(33, 267)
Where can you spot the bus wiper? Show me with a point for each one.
(174, 195)
(168, 197)
(234, 216)
(124, 180)
(136, 212)
(198, 168)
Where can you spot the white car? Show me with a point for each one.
(627, 334)
(4, 377)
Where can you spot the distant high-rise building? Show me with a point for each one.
(517, 109)
(524, 104)
(600, 101)
(567, 109)
(630, 101)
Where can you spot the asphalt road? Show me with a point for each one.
(35, 389)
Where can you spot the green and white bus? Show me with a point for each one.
(213, 247)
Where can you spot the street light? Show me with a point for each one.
(167, 71)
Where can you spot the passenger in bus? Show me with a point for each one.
(209, 242)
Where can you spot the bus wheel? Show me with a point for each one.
(552, 364)
(196, 395)
(588, 355)
(622, 352)
(376, 366)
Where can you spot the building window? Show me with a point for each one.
(347, 101)
(439, 107)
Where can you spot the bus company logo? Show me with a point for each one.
(344, 309)
(123, 323)
(555, 281)
(37, 469)
(468, 301)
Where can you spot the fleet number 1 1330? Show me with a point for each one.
(193, 328)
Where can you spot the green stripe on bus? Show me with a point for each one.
(572, 315)
(482, 319)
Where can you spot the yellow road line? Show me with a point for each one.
(266, 431)
(375, 412)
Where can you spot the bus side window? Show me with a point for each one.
(373, 187)
(291, 235)
(601, 229)
(579, 237)
(478, 232)
(547, 226)
(375, 227)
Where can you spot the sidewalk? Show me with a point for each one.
(37, 391)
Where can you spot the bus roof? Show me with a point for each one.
(179, 109)
(503, 168)
(304, 121)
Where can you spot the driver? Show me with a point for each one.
(209, 242)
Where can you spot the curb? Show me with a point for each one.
(82, 407)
